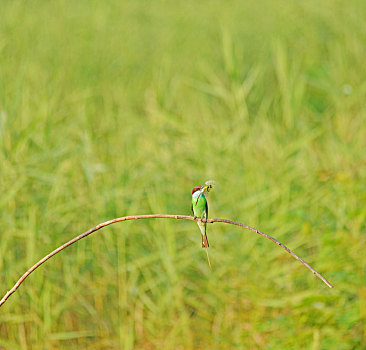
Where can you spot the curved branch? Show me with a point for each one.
(153, 216)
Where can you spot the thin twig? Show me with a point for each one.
(153, 216)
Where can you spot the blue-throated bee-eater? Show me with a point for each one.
(200, 210)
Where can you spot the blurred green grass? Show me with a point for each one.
(120, 108)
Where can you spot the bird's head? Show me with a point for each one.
(196, 188)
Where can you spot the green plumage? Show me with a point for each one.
(199, 207)
(200, 210)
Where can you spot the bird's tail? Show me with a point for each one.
(202, 226)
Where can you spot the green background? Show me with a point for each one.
(119, 108)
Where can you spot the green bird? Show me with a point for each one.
(200, 210)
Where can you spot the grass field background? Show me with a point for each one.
(117, 108)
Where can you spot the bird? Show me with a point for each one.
(200, 210)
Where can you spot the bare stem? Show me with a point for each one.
(153, 216)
